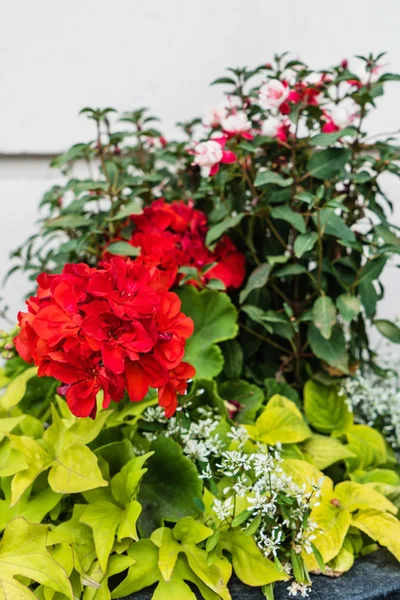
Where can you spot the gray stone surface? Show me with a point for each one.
(374, 577)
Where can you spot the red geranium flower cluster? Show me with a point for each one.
(108, 329)
(173, 235)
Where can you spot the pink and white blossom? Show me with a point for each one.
(275, 127)
(237, 123)
(340, 117)
(208, 155)
(272, 94)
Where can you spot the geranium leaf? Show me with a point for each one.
(214, 319)
(168, 487)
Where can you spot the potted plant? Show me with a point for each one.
(177, 403)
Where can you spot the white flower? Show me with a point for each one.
(365, 75)
(206, 472)
(272, 94)
(213, 115)
(298, 588)
(236, 123)
(223, 508)
(263, 463)
(271, 126)
(344, 114)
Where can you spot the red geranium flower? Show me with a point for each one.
(107, 329)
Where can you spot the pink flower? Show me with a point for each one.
(213, 115)
(272, 94)
(208, 155)
(276, 127)
(237, 124)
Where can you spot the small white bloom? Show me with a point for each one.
(223, 508)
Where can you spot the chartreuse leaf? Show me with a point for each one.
(281, 421)
(250, 566)
(32, 507)
(249, 396)
(77, 535)
(73, 466)
(103, 518)
(324, 315)
(15, 390)
(8, 424)
(169, 486)
(326, 410)
(75, 470)
(355, 496)
(23, 553)
(342, 562)
(368, 446)
(325, 451)
(333, 523)
(11, 461)
(168, 553)
(116, 564)
(380, 526)
(215, 320)
(306, 475)
(125, 484)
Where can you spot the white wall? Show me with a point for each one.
(57, 57)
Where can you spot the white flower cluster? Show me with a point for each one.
(259, 477)
(375, 401)
(197, 440)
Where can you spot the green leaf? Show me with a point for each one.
(233, 358)
(328, 163)
(291, 270)
(214, 319)
(326, 410)
(388, 329)
(250, 566)
(304, 243)
(326, 139)
(270, 177)
(16, 389)
(324, 315)
(333, 224)
(168, 487)
(134, 207)
(123, 249)
(285, 213)
(257, 279)
(332, 351)
(372, 269)
(216, 231)
(75, 470)
(380, 526)
(23, 553)
(249, 396)
(325, 451)
(223, 80)
(348, 306)
(68, 222)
